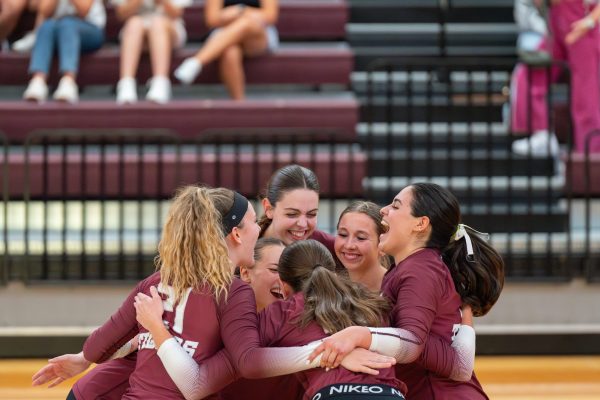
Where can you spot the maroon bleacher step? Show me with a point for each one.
(312, 65)
(186, 118)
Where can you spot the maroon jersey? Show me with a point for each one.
(264, 389)
(197, 322)
(425, 302)
(325, 239)
(278, 329)
(107, 381)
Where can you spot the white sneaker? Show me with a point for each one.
(37, 90)
(67, 90)
(127, 91)
(160, 90)
(540, 144)
(189, 69)
(25, 44)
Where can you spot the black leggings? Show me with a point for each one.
(354, 391)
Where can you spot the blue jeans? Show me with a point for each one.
(72, 36)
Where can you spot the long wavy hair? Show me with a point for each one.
(332, 300)
(478, 279)
(286, 179)
(192, 251)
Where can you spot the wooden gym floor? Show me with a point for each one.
(503, 378)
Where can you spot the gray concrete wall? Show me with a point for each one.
(574, 305)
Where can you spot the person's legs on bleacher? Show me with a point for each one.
(529, 109)
(247, 31)
(162, 37)
(10, 13)
(73, 37)
(39, 65)
(583, 57)
(231, 71)
(26, 43)
(132, 43)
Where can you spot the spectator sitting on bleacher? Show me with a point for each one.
(160, 23)
(533, 30)
(25, 44)
(575, 39)
(531, 46)
(239, 28)
(76, 26)
(10, 13)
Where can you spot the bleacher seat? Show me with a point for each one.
(311, 64)
(187, 118)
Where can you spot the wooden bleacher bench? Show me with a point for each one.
(314, 64)
(187, 118)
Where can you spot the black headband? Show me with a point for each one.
(234, 216)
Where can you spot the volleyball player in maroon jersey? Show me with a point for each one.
(181, 244)
(195, 276)
(264, 279)
(291, 204)
(322, 301)
(440, 263)
(357, 244)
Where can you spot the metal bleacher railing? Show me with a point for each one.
(89, 205)
(441, 120)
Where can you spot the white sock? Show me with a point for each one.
(188, 70)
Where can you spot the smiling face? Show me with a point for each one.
(356, 242)
(399, 238)
(264, 277)
(247, 231)
(294, 216)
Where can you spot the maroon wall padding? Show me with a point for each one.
(186, 118)
(577, 174)
(151, 176)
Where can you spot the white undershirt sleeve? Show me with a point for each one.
(464, 345)
(196, 381)
(405, 348)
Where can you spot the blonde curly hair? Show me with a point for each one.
(192, 251)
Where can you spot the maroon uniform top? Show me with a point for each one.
(264, 389)
(325, 239)
(278, 329)
(425, 302)
(107, 381)
(196, 321)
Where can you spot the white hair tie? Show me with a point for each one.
(461, 232)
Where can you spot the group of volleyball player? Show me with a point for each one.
(276, 309)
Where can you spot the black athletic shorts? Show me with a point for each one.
(353, 391)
